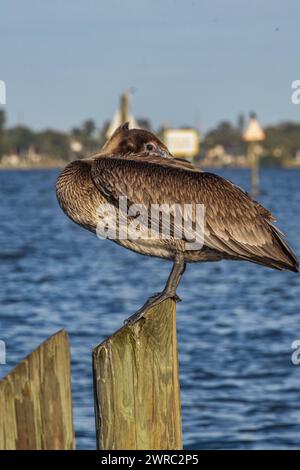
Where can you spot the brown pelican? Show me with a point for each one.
(136, 164)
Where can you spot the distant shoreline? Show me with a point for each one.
(59, 167)
(53, 166)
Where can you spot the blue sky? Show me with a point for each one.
(191, 62)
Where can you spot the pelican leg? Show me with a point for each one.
(169, 291)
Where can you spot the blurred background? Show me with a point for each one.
(196, 73)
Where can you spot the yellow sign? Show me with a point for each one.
(182, 142)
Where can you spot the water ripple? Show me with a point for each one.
(236, 323)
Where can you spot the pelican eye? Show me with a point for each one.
(150, 147)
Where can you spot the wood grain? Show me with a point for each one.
(36, 401)
(136, 385)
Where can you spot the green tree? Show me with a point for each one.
(76, 132)
(88, 128)
(240, 123)
(20, 138)
(225, 134)
(87, 137)
(53, 144)
(282, 141)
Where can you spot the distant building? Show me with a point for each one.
(219, 157)
(76, 146)
(122, 115)
(11, 159)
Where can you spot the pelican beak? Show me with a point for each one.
(164, 153)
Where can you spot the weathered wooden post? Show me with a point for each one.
(136, 385)
(252, 135)
(36, 402)
(254, 162)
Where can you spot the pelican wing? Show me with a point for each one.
(235, 225)
(150, 158)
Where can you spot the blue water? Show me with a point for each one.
(239, 388)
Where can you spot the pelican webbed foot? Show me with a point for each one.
(153, 301)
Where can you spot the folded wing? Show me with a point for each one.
(235, 225)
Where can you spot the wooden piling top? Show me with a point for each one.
(136, 384)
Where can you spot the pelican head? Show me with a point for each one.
(125, 141)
